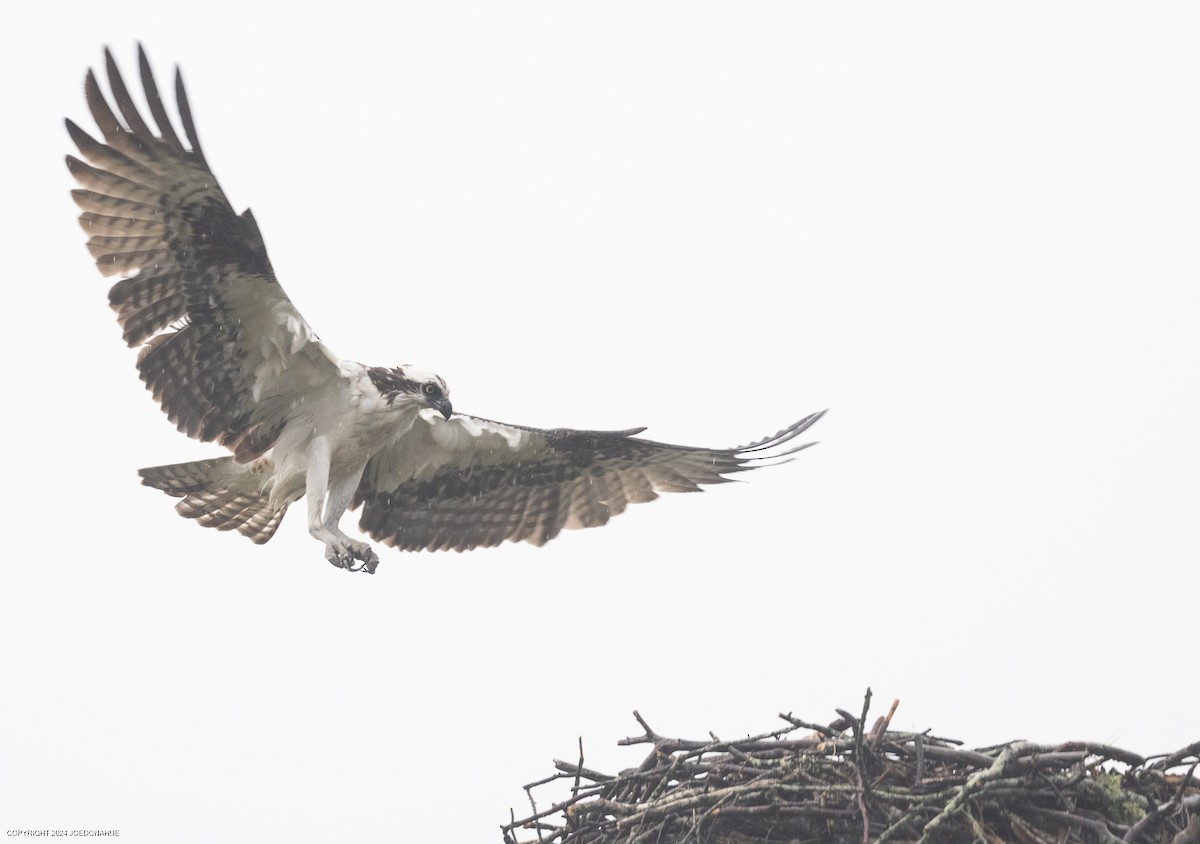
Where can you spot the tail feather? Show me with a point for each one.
(222, 493)
(180, 479)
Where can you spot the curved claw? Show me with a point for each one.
(352, 556)
(366, 554)
(341, 557)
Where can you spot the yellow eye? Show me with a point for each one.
(429, 389)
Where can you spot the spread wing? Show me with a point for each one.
(225, 350)
(469, 482)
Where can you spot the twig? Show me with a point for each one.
(1097, 826)
(859, 763)
(880, 728)
(1178, 757)
(919, 774)
(578, 771)
(975, 783)
(805, 725)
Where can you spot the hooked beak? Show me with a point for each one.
(442, 406)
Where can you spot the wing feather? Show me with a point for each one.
(470, 482)
(104, 225)
(521, 521)
(115, 135)
(161, 119)
(133, 120)
(110, 159)
(185, 116)
(225, 347)
(147, 302)
(109, 184)
(93, 202)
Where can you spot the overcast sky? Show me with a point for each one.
(970, 231)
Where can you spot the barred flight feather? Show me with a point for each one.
(155, 214)
(545, 481)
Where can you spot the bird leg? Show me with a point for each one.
(339, 499)
(325, 509)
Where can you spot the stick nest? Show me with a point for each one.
(850, 782)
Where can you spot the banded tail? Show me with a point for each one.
(222, 493)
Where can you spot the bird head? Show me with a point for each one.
(412, 384)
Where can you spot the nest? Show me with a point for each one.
(847, 782)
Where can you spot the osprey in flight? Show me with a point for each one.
(232, 361)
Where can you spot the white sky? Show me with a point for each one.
(968, 229)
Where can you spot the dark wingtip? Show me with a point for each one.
(125, 104)
(79, 136)
(110, 65)
(154, 100)
(780, 437)
(91, 88)
(185, 117)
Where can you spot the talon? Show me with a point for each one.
(364, 553)
(339, 555)
(352, 556)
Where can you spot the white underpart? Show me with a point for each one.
(330, 435)
(455, 436)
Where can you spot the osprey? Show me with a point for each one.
(232, 361)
